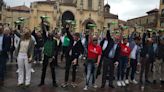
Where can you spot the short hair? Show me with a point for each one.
(77, 34)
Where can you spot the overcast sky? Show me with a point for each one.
(126, 9)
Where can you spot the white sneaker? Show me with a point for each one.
(85, 88)
(17, 71)
(32, 70)
(127, 81)
(95, 86)
(134, 82)
(123, 83)
(119, 84)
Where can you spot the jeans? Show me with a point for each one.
(90, 72)
(122, 68)
(52, 67)
(38, 54)
(108, 70)
(69, 60)
(133, 66)
(2, 67)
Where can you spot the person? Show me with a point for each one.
(24, 54)
(147, 57)
(39, 45)
(111, 51)
(158, 68)
(5, 43)
(49, 51)
(72, 54)
(93, 60)
(123, 61)
(134, 60)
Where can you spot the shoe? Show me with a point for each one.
(27, 85)
(147, 81)
(111, 85)
(134, 82)
(64, 85)
(119, 84)
(55, 85)
(127, 81)
(95, 86)
(74, 85)
(17, 71)
(162, 82)
(41, 84)
(34, 62)
(123, 83)
(85, 88)
(32, 70)
(20, 85)
(102, 86)
(154, 81)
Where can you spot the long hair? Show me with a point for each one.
(26, 35)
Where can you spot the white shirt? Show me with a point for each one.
(24, 46)
(133, 52)
(1, 42)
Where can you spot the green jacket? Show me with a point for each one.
(50, 48)
(66, 41)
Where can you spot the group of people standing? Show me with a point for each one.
(114, 54)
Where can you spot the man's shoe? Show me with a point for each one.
(102, 86)
(119, 83)
(162, 82)
(111, 85)
(147, 81)
(55, 85)
(127, 81)
(154, 81)
(41, 84)
(64, 85)
(85, 88)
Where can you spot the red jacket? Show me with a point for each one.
(94, 51)
(125, 50)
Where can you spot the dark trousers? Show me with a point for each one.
(133, 66)
(64, 50)
(67, 69)
(145, 65)
(2, 67)
(121, 68)
(38, 54)
(108, 70)
(52, 66)
(56, 57)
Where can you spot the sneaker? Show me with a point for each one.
(74, 85)
(85, 88)
(34, 62)
(123, 83)
(119, 84)
(64, 85)
(17, 71)
(134, 82)
(32, 70)
(127, 81)
(95, 86)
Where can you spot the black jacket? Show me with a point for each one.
(77, 49)
(6, 46)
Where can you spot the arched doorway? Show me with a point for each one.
(87, 22)
(67, 15)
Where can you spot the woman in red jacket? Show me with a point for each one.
(123, 61)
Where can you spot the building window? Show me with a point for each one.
(162, 13)
(90, 4)
(0, 16)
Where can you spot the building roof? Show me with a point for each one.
(46, 2)
(110, 15)
(107, 5)
(122, 22)
(152, 11)
(19, 8)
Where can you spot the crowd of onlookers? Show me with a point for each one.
(101, 53)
